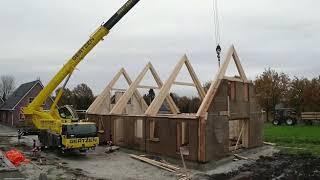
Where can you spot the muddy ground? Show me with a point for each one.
(92, 165)
(279, 166)
(265, 163)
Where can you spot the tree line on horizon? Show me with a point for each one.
(272, 88)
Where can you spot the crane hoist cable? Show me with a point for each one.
(217, 32)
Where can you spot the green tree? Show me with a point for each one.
(66, 98)
(83, 96)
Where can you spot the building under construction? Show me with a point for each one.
(228, 118)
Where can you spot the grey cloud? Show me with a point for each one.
(37, 37)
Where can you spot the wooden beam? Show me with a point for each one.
(101, 105)
(137, 94)
(183, 83)
(202, 139)
(164, 91)
(121, 104)
(156, 163)
(147, 87)
(118, 89)
(172, 105)
(234, 79)
(196, 81)
(217, 80)
(238, 64)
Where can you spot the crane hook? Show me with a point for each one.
(218, 50)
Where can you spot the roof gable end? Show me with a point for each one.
(19, 94)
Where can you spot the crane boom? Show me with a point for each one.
(68, 68)
(61, 127)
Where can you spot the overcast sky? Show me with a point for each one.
(38, 36)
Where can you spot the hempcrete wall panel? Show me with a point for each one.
(167, 134)
(256, 121)
(107, 126)
(239, 108)
(217, 127)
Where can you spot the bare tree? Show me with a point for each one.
(272, 88)
(6, 86)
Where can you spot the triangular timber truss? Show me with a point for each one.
(120, 105)
(219, 76)
(164, 91)
(102, 104)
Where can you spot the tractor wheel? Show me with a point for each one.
(290, 122)
(276, 122)
(308, 122)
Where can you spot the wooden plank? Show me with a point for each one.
(269, 143)
(195, 80)
(234, 79)
(162, 163)
(242, 157)
(233, 148)
(101, 105)
(118, 89)
(137, 94)
(147, 87)
(100, 101)
(208, 98)
(240, 136)
(172, 105)
(238, 64)
(164, 91)
(202, 139)
(184, 83)
(121, 104)
(154, 163)
(310, 113)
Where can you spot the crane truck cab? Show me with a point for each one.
(68, 112)
(73, 134)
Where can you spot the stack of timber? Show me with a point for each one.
(162, 165)
(309, 116)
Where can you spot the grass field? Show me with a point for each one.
(294, 139)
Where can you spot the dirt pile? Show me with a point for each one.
(279, 166)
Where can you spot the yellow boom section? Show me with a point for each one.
(47, 120)
(66, 69)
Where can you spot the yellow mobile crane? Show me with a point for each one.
(61, 127)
